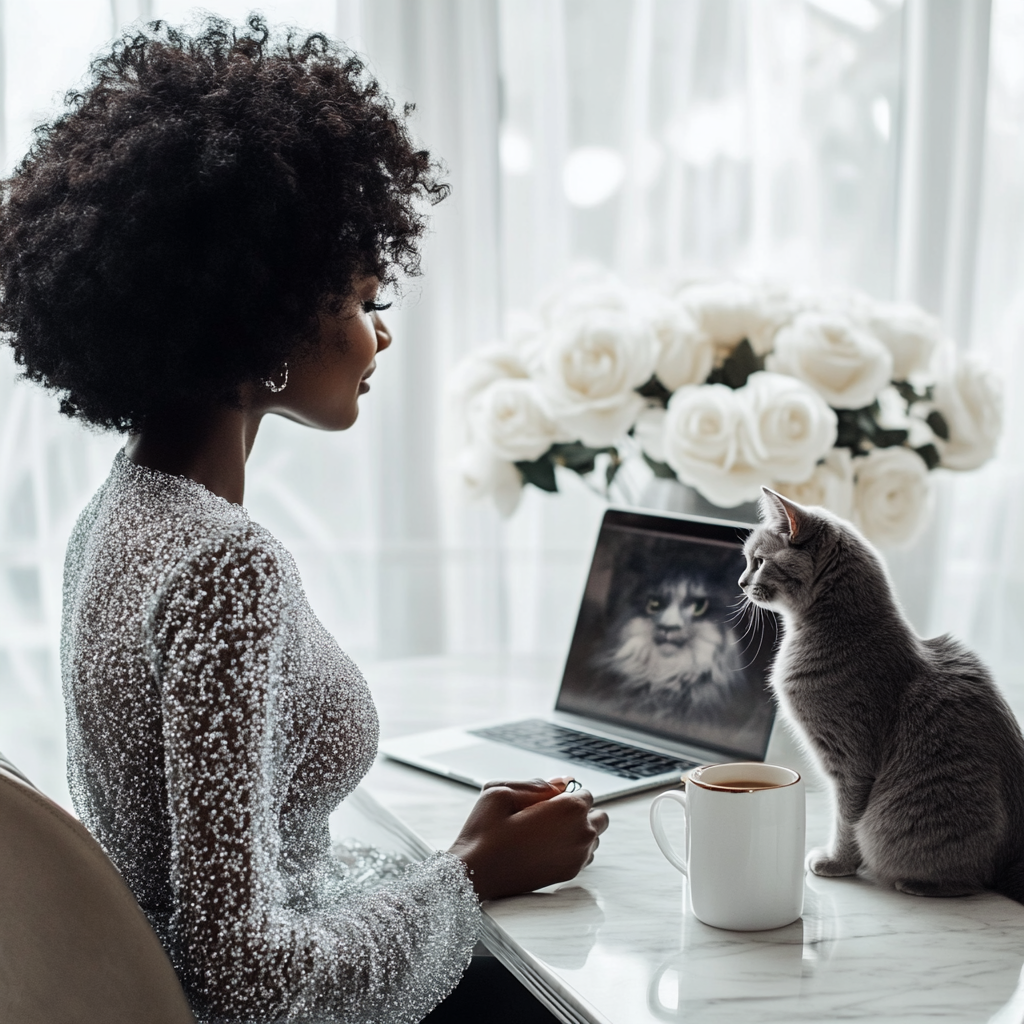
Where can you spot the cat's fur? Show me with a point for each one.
(925, 756)
(671, 652)
(674, 642)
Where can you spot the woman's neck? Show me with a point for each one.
(209, 446)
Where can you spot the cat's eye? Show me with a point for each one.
(653, 605)
(756, 563)
(700, 606)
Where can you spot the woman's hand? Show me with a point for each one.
(521, 836)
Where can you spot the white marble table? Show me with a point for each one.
(615, 944)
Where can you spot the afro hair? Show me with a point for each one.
(177, 231)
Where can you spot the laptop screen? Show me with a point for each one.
(665, 642)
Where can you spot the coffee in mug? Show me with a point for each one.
(745, 785)
(745, 830)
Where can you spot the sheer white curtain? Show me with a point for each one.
(828, 142)
(980, 592)
(390, 564)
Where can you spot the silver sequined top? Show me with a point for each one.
(213, 725)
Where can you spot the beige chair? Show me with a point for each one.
(75, 947)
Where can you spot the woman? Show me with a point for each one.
(197, 242)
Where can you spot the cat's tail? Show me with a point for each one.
(1010, 881)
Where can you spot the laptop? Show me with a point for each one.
(667, 670)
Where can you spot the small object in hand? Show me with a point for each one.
(572, 786)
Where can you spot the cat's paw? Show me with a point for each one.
(821, 862)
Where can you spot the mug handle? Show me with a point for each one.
(658, 829)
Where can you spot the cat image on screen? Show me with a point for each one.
(671, 646)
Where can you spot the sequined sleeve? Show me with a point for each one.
(244, 948)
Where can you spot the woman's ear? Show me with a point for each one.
(790, 517)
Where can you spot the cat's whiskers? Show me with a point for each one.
(739, 608)
(757, 651)
(749, 628)
(756, 623)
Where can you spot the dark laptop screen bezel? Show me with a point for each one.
(689, 528)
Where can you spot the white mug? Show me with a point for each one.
(745, 844)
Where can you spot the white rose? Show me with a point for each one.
(892, 495)
(476, 372)
(791, 426)
(590, 369)
(686, 354)
(845, 364)
(892, 409)
(708, 445)
(830, 485)
(729, 311)
(910, 335)
(842, 302)
(649, 431)
(587, 286)
(778, 305)
(526, 334)
(483, 367)
(508, 418)
(484, 476)
(970, 398)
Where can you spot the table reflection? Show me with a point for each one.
(1013, 1011)
(747, 965)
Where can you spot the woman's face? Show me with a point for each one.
(326, 380)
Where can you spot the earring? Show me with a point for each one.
(277, 388)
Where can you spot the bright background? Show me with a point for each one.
(866, 143)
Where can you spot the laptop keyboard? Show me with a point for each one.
(581, 748)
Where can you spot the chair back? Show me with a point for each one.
(75, 946)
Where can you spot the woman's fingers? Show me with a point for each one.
(523, 835)
(559, 784)
(584, 796)
(528, 784)
(529, 792)
(524, 794)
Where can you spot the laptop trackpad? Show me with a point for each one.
(486, 762)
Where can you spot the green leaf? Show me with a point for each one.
(577, 457)
(866, 423)
(540, 473)
(735, 371)
(661, 469)
(859, 427)
(849, 434)
(856, 426)
(907, 391)
(890, 438)
(940, 428)
(655, 389)
(930, 454)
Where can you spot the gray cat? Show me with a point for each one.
(925, 756)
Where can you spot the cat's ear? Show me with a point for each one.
(791, 517)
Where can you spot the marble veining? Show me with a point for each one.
(617, 945)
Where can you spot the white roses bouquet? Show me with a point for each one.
(832, 399)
